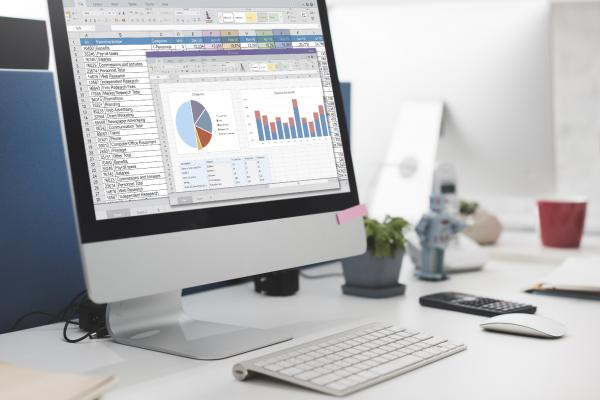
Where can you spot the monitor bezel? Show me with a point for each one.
(93, 230)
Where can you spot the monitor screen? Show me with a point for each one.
(188, 105)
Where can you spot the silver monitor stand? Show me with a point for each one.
(159, 323)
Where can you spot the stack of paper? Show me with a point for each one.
(576, 276)
(18, 383)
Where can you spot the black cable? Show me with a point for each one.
(70, 312)
(74, 300)
(66, 314)
(59, 316)
(31, 314)
(79, 339)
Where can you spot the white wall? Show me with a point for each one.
(488, 60)
(34, 9)
(576, 45)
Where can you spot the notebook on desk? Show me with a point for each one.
(18, 383)
(578, 277)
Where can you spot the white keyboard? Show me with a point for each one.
(352, 360)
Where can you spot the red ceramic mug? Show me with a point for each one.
(562, 221)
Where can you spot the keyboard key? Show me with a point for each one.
(422, 336)
(450, 345)
(348, 382)
(285, 363)
(441, 349)
(380, 360)
(330, 367)
(357, 379)
(308, 375)
(295, 360)
(305, 357)
(434, 340)
(395, 329)
(395, 365)
(291, 371)
(322, 371)
(343, 373)
(337, 386)
(422, 354)
(342, 363)
(325, 379)
(368, 374)
(350, 370)
(370, 363)
(303, 367)
(345, 353)
(363, 366)
(273, 367)
(315, 363)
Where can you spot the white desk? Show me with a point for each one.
(495, 366)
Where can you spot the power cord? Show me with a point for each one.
(70, 312)
(93, 323)
(69, 340)
(52, 318)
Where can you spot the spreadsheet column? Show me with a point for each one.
(81, 57)
(125, 123)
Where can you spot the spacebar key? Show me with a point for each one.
(395, 365)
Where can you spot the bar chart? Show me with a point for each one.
(295, 127)
(285, 116)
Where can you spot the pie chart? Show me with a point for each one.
(194, 124)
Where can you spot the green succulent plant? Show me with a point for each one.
(468, 208)
(387, 237)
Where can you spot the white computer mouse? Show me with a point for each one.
(525, 324)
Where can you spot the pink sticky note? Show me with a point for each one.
(351, 213)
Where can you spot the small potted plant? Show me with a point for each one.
(375, 274)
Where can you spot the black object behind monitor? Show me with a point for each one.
(29, 47)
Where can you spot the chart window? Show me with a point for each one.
(186, 108)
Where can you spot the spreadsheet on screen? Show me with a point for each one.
(186, 107)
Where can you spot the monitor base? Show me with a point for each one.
(159, 323)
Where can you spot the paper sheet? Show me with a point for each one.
(17, 383)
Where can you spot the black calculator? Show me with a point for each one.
(467, 303)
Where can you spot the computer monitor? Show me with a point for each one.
(206, 141)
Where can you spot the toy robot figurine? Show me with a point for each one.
(435, 230)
